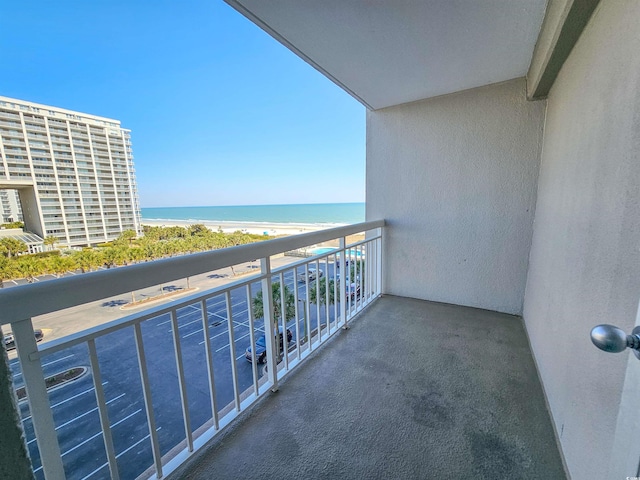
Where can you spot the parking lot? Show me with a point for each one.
(74, 405)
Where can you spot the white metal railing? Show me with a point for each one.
(353, 270)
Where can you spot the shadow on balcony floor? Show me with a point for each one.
(413, 390)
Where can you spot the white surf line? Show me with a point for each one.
(119, 455)
(82, 415)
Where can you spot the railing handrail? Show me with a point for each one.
(26, 301)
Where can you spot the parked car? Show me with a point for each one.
(313, 274)
(353, 291)
(261, 347)
(10, 341)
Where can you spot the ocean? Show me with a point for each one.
(316, 213)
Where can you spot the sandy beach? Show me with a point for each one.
(258, 228)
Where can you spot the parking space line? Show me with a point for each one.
(120, 454)
(46, 364)
(192, 333)
(100, 432)
(180, 326)
(82, 415)
(56, 361)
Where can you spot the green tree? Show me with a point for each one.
(322, 287)
(7, 270)
(10, 247)
(198, 230)
(127, 237)
(289, 307)
(88, 259)
(117, 255)
(50, 241)
(60, 265)
(29, 268)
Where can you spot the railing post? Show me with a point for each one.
(38, 398)
(343, 283)
(269, 333)
(379, 246)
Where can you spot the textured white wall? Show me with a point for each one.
(585, 262)
(455, 178)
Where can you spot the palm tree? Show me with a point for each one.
(322, 286)
(289, 307)
(88, 259)
(60, 265)
(29, 268)
(12, 246)
(7, 270)
(50, 241)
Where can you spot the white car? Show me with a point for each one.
(313, 274)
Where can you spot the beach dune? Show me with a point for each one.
(257, 228)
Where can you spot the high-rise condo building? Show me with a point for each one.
(66, 174)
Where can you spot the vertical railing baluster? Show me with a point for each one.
(379, 259)
(368, 266)
(297, 312)
(148, 401)
(252, 340)
(182, 384)
(283, 315)
(209, 354)
(267, 308)
(232, 351)
(361, 275)
(327, 307)
(307, 306)
(343, 280)
(335, 292)
(351, 281)
(102, 410)
(317, 286)
(41, 415)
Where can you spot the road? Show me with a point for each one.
(74, 405)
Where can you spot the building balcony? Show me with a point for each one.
(412, 389)
(237, 383)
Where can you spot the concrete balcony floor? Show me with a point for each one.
(413, 390)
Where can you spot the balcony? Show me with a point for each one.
(408, 391)
(178, 428)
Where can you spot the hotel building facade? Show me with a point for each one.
(66, 174)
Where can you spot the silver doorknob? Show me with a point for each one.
(612, 339)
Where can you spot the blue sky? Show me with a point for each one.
(220, 113)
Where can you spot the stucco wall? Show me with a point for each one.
(455, 178)
(585, 262)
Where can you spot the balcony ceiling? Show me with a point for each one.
(386, 53)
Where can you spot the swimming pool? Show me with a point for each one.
(322, 250)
